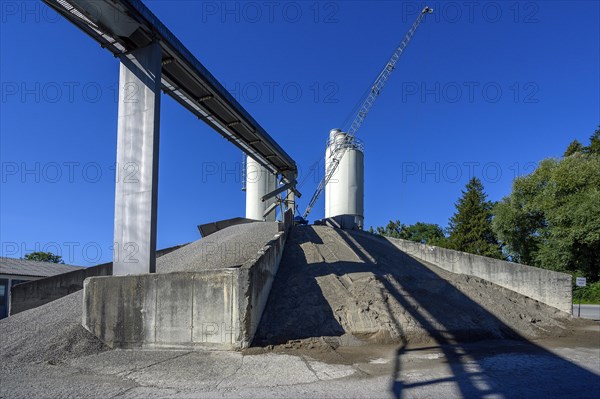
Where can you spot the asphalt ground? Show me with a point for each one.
(591, 312)
(551, 368)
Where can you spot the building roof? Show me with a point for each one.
(24, 267)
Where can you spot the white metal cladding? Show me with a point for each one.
(344, 193)
(259, 182)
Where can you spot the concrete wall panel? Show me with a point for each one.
(257, 276)
(174, 293)
(549, 287)
(39, 292)
(215, 315)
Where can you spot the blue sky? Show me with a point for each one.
(485, 88)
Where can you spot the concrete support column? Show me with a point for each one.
(136, 194)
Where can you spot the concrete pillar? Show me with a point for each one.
(136, 194)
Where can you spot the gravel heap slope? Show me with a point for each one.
(356, 286)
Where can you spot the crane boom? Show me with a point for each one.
(339, 148)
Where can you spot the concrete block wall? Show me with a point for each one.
(38, 292)
(255, 281)
(213, 309)
(174, 310)
(549, 287)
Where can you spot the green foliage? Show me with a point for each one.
(594, 146)
(588, 294)
(392, 229)
(44, 257)
(425, 233)
(470, 228)
(574, 148)
(552, 217)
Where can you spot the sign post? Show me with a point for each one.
(580, 282)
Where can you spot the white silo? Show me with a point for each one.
(344, 193)
(259, 181)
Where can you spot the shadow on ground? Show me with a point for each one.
(334, 283)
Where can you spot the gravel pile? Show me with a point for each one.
(229, 247)
(336, 286)
(53, 332)
(357, 287)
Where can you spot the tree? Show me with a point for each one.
(44, 257)
(551, 219)
(522, 242)
(574, 148)
(470, 228)
(594, 146)
(424, 233)
(392, 229)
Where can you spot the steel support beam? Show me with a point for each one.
(136, 194)
(270, 209)
(289, 186)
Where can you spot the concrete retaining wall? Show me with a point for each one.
(36, 293)
(215, 309)
(255, 282)
(546, 286)
(174, 310)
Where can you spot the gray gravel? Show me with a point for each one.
(229, 247)
(45, 353)
(353, 285)
(53, 333)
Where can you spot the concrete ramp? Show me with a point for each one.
(354, 287)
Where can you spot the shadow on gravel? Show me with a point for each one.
(509, 367)
(296, 308)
